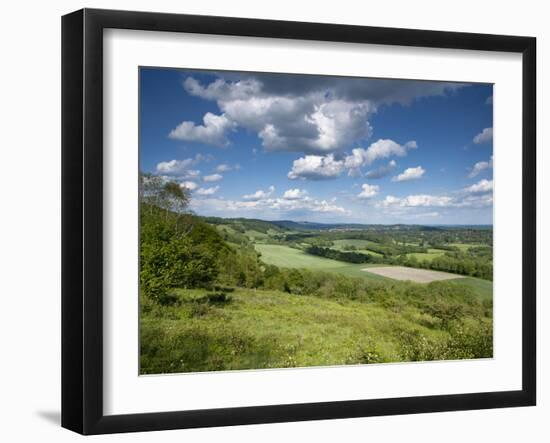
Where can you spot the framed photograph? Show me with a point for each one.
(269, 221)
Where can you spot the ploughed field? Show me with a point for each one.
(411, 274)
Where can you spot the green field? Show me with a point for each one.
(361, 245)
(430, 255)
(463, 246)
(256, 235)
(286, 257)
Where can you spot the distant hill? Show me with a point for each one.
(291, 225)
(311, 226)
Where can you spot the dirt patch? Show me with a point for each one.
(412, 274)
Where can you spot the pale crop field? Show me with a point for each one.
(411, 274)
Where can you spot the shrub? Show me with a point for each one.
(218, 297)
(365, 353)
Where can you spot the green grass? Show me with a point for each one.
(430, 255)
(256, 235)
(463, 246)
(361, 245)
(269, 329)
(286, 257)
(483, 288)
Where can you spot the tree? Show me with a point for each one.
(162, 193)
(175, 197)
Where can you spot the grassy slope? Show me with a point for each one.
(263, 329)
(286, 257)
(484, 288)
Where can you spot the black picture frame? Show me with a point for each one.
(82, 218)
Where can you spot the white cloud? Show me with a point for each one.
(476, 200)
(260, 194)
(368, 191)
(482, 186)
(294, 194)
(316, 167)
(174, 167)
(382, 148)
(208, 191)
(410, 174)
(271, 207)
(189, 185)
(212, 178)
(420, 200)
(476, 196)
(224, 167)
(479, 167)
(484, 136)
(319, 167)
(382, 171)
(309, 122)
(427, 214)
(212, 132)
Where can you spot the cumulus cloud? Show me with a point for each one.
(476, 196)
(212, 131)
(314, 115)
(309, 122)
(316, 167)
(294, 194)
(419, 200)
(382, 171)
(224, 167)
(274, 207)
(208, 191)
(484, 136)
(479, 167)
(260, 194)
(323, 167)
(189, 185)
(368, 191)
(482, 200)
(482, 186)
(380, 149)
(174, 167)
(410, 174)
(212, 178)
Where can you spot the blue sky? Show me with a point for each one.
(318, 148)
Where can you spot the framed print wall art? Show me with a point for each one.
(269, 221)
